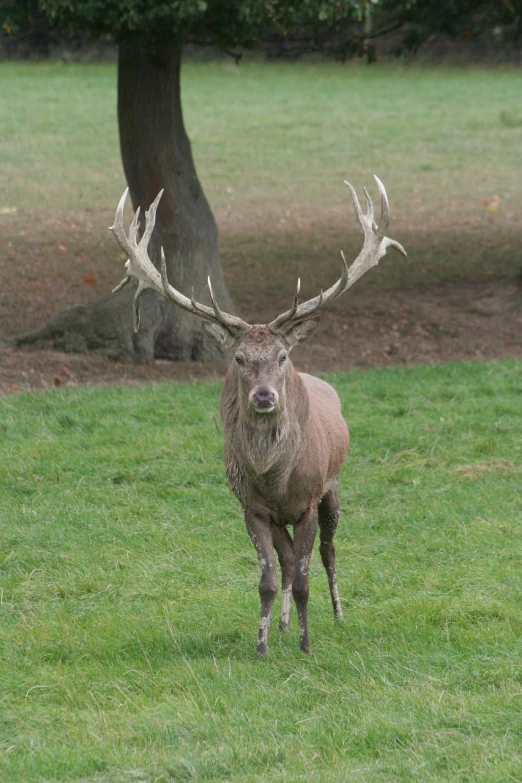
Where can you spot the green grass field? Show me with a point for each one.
(129, 592)
(274, 134)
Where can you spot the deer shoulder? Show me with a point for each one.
(328, 437)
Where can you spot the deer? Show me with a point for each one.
(285, 438)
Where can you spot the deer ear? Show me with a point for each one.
(220, 335)
(302, 331)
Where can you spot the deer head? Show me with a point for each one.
(260, 352)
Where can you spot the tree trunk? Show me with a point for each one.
(156, 154)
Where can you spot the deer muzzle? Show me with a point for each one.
(263, 399)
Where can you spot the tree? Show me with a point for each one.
(155, 148)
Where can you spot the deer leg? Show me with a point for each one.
(328, 518)
(285, 551)
(304, 537)
(260, 533)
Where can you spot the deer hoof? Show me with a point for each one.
(262, 649)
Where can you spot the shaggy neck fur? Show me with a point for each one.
(268, 440)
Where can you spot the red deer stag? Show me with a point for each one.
(285, 437)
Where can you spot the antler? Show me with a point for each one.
(374, 247)
(140, 267)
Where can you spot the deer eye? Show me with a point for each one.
(240, 360)
(282, 359)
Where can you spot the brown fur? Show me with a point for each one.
(283, 466)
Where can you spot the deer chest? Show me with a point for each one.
(279, 492)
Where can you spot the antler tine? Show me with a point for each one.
(219, 314)
(164, 278)
(296, 297)
(356, 205)
(374, 248)
(334, 291)
(134, 227)
(369, 207)
(396, 245)
(385, 207)
(136, 307)
(150, 220)
(117, 228)
(170, 293)
(121, 285)
(175, 296)
(230, 321)
(287, 316)
(344, 277)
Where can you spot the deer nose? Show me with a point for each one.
(264, 399)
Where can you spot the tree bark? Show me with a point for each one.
(156, 154)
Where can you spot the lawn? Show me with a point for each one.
(282, 135)
(129, 592)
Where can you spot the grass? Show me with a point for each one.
(129, 592)
(274, 134)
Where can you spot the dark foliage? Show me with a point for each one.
(287, 27)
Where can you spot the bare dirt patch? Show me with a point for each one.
(424, 309)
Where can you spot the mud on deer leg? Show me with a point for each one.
(285, 551)
(304, 537)
(328, 518)
(327, 551)
(261, 536)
